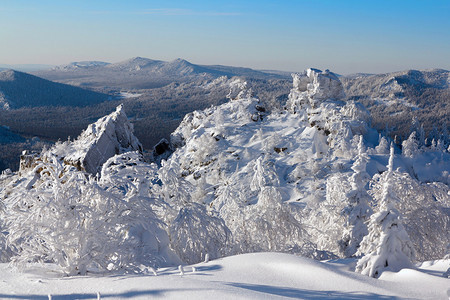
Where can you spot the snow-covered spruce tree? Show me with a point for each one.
(387, 246)
(383, 146)
(357, 210)
(423, 207)
(338, 221)
(410, 146)
(65, 217)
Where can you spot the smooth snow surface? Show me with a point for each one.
(247, 276)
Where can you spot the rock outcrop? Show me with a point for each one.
(313, 86)
(110, 135)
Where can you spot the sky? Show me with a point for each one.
(344, 36)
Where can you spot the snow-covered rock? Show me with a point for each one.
(105, 138)
(110, 135)
(313, 86)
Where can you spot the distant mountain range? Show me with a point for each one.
(144, 73)
(26, 67)
(19, 89)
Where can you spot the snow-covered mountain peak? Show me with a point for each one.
(180, 61)
(134, 64)
(81, 65)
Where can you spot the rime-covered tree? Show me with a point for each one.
(129, 177)
(410, 147)
(195, 232)
(173, 189)
(5, 252)
(387, 245)
(63, 216)
(358, 210)
(383, 146)
(264, 174)
(423, 208)
(421, 136)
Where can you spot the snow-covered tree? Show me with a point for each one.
(357, 210)
(195, 233)
(253, 210)
(423, 207)
(326, 219)
(445, 136)
(383, 146)
(239, 89)
(338, 221)
(387, 245)
(65, 217)
(274, 226)
(415, 125)
(410, 147)
(5, 252)
(264, 174)
(173, 189)
(440, 145)
(421, 136)
(128, 177)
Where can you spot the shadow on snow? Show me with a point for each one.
(307, 294)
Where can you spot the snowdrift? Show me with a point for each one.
(247, 276)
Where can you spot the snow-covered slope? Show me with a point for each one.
(249, 276)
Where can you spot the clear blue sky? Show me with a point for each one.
(343, 36)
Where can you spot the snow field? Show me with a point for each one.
(247, 276)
